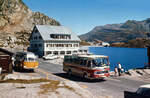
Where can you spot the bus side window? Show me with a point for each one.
(67, 59)
(84, 62)
(76, 60)
(89, 64)
(81, 62)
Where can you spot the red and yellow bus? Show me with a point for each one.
(87, 66)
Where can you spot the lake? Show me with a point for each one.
(128, 57)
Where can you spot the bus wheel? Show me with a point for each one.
(31, 70)
(69, 72)
(85, 77)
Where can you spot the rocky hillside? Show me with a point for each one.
(17, 21)
(120, 32)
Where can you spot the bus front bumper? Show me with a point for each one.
(25, 67)
(100, 76)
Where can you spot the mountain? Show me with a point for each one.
(17, 21)
(122, 32)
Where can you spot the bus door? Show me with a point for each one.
(75, 65)
(82, 66)
(88, 67)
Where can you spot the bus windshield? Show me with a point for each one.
(29, 59)
(99, 62)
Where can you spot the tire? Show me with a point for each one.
(15, 64)
(10, 68)
(32, 70)
(85, 77)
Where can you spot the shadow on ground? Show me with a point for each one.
(23, 70)
(77, 78)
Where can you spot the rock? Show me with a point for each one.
(15, 16)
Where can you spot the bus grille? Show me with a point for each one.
(101, 72)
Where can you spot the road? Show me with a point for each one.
(112, 86)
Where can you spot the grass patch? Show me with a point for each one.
(50, 87)
(67, 87)
(24, 81)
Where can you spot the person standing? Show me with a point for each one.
(119, 69)
(116, 71)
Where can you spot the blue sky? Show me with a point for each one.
(83, 15)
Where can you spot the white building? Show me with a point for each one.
(58, 40)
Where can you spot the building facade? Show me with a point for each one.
(58, 40)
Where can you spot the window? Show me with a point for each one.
(76, 60)
(49, 52)
(146, 93)
(143, 91)
(85, 51)
(30, 59)
(60, 36)
(80, 50)
(50, 45)
(40, 37)
(35, 45)
(89, 64)
(62, 52)
(67, 58)
(83, 62)
(36, 31)
(32, 45)
(55, 52)
(35, 38)
(51, 35)
(31, 38)
(68, 52)
(40, 45)
(75, 45)
(75, 52)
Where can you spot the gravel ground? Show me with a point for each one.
(65, 89)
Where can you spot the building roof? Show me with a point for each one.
(5, 52)
(46, 30)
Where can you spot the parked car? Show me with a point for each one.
(142, 92)
(50, 57)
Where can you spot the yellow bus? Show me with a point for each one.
(25, 60)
